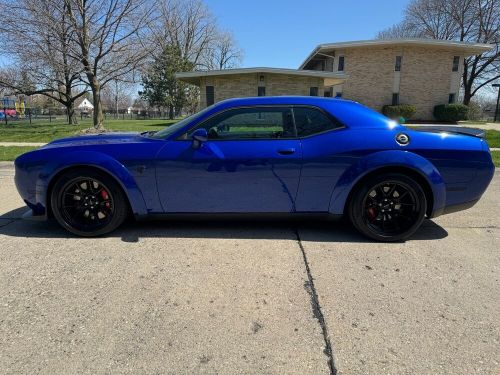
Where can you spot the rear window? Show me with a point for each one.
(310, 121)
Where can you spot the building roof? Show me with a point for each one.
(80, 102)
(466, 47)
(331, 78)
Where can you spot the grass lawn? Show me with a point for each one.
(493, 138)
(472, 122)
(47, 131)
(11, 152)
(496, 158)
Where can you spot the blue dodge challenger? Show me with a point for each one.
(266, 155)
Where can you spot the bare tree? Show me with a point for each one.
(399, 31)
(184, 36)
(36, 38)
(187, 25)
(462, 20)
(107, 39)
(222, 53)
(116, 96)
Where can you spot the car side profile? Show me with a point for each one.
(265, 155)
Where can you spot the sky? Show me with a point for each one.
(282, 33)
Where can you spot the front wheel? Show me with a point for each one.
(389, 207)
(88, 202)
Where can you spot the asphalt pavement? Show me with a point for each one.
(249, 297)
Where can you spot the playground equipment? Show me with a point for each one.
(12, 107)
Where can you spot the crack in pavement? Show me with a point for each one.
(316, 307)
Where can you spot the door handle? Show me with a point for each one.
(286, 151)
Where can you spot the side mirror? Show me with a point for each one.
(199, 136)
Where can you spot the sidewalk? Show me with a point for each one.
(33, 144)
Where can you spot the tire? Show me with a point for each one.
(88, 202)
(389, 207)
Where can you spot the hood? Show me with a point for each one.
(95, 139)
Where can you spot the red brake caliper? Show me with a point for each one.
(372, 213)
(105, 196)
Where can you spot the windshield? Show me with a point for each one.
(169, 130)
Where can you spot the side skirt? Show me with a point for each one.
(240, 216)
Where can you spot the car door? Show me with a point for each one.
(250, 163)
(324, 157)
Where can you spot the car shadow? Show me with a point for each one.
(316, 230)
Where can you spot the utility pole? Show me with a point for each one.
(498, 100)
(116, 98)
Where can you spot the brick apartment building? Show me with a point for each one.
(421, 72)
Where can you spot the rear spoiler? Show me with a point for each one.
(451, 129)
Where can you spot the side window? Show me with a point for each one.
(341, 64)
(250, 123)
(311, 121)
(397, 66)
(456, 63)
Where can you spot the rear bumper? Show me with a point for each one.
(464, 195)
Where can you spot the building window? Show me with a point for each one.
(327, 94)
(209, 91)
(261, 91)
(397, 66)
(313, 91)
(395, 98)
(456, 63)
(341, 64)
(338, 95)
(451, 98)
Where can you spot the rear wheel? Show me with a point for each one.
(88, 202)
(389, 207)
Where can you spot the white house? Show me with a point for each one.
(85, 106)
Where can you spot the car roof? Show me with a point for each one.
(289, 99)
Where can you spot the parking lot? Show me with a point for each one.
(249, 297)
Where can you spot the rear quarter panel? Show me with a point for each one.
(464, 163)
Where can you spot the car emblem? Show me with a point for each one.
(403, 139)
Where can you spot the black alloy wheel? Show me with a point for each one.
(390, 207)
(88, 203)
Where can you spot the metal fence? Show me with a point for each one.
(23, 114)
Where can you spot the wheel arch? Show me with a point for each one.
(417, 176)
(419, 168)
(68, 169)
(101, 162)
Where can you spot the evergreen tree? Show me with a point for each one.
(160, 87)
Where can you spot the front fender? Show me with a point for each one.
(384, 159)
(96, 160)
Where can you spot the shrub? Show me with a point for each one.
(475, 111)
(451, 112)
(396, 111)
